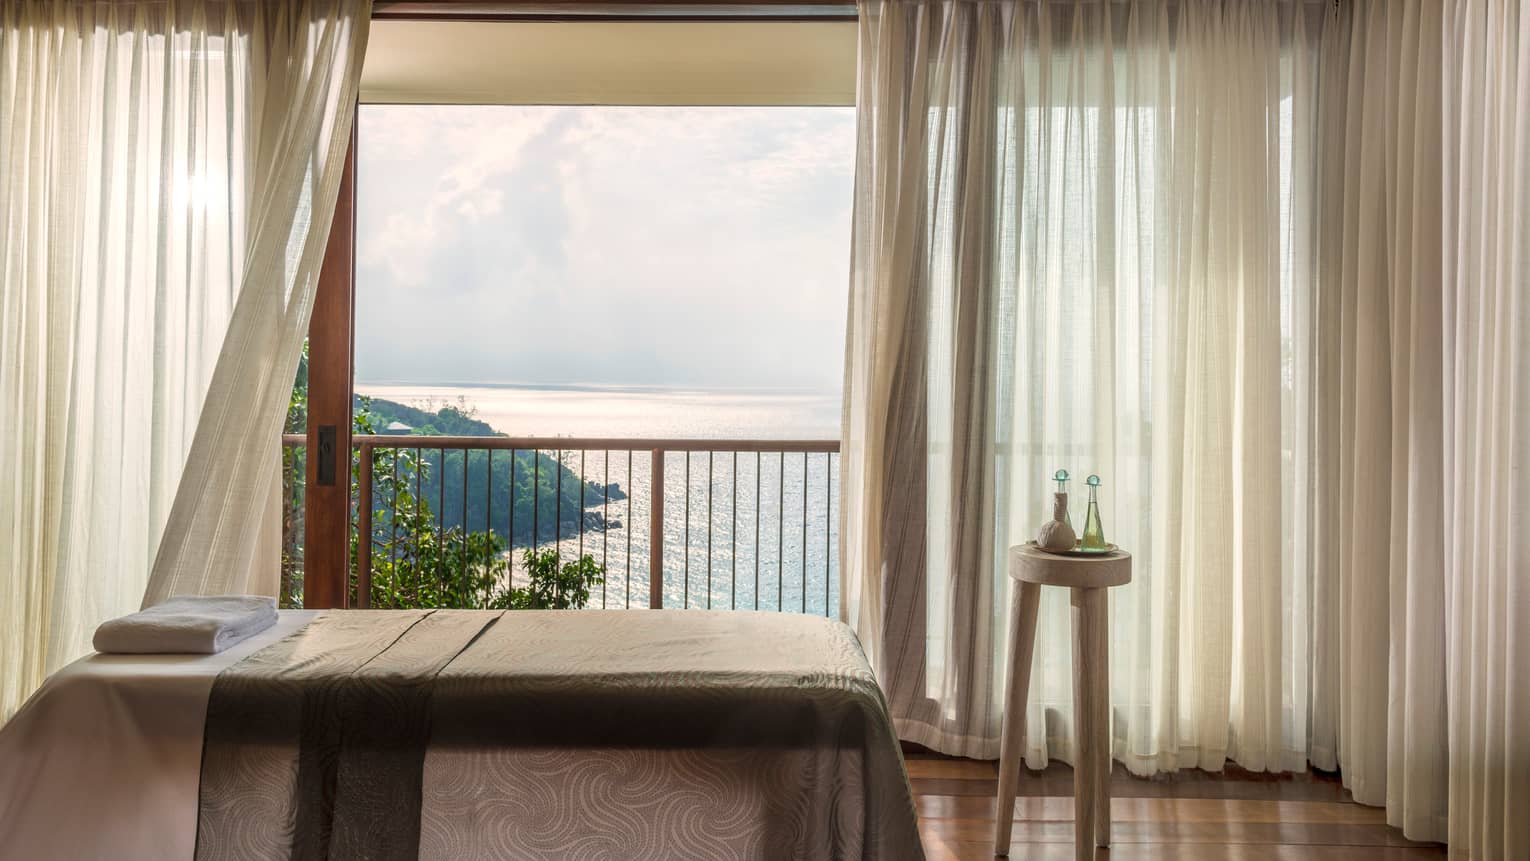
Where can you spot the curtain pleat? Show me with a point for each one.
(1487, 428)
(1381, 571)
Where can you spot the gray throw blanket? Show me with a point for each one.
(567, 734)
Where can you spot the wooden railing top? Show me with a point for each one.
(568, 443)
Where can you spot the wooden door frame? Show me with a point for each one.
(331, 365)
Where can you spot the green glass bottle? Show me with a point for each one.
(1094, 534)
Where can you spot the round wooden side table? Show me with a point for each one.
(1088, 577)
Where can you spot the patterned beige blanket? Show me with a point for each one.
(583, 734)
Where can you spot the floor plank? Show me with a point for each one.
(1190, 815)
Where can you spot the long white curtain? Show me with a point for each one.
(1419, 560)
(1380, 495)
(1264, 268)
(1487, 404)
(167, 174)
(1083, 240)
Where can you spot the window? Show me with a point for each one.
(613, 236)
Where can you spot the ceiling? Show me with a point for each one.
(611, 62)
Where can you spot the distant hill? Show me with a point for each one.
(550, 497)
(449, 420)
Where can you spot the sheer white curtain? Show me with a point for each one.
(1487, 405)
(167, 171)
(1083, 240)
(1379, 493)
(1264, 268)
(1422, 565)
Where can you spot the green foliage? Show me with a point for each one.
(555, 584)
(297, 405)
(293, 466)
(416, 564)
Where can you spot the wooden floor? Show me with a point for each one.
(1192, 815)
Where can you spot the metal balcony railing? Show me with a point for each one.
(746, 524)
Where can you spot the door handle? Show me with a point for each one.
(326, 465)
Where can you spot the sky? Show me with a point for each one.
(688, 248)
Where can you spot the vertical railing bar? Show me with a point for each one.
(685, 541)
(417, 542)
(804, 529)
(627, 528)
(733, 541)
(464, 555)
(781, 533)
(303, 490)
(605, 525)
(536, 498)
(828, 525)
(299, 476)
(580, 512)
(349, 500)
(510, 542)
(558, 509)
(488, 529)
(656, 530)
(709, 530)
(757, 484)
(289, 517)
(440, 525)
(364, 528)
(289, 511)
(393, 528)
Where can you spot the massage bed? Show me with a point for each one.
(467, 734)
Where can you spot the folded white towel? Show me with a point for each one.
(188, 625)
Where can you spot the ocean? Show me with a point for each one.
(649, 413)
(752, 530)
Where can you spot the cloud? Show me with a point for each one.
(692, 247)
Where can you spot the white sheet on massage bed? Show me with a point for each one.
(104, 760)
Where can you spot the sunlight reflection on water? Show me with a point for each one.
(646, 413)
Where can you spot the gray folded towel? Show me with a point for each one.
(188, 624)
